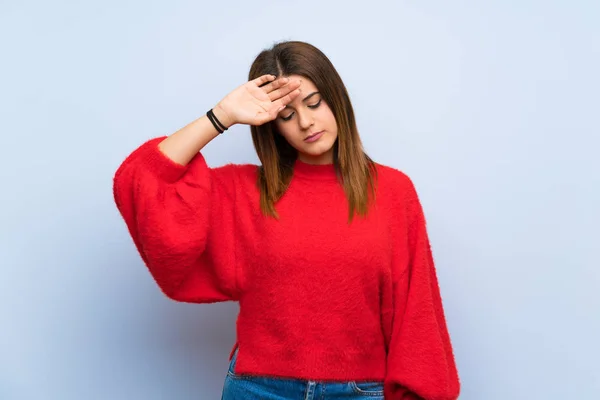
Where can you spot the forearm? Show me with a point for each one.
(184, 144)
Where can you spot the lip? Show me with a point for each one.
(314, 137)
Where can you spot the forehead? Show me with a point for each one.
(306, 85)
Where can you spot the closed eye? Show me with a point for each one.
(311, 106)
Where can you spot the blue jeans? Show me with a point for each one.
(247, 387)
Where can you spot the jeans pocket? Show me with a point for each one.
(367, 388)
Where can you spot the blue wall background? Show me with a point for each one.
(491, 107)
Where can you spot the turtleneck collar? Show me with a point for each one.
(324, 172)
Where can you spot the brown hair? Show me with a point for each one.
(355, 169)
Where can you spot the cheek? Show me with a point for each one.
(326, 115)
(287, 132)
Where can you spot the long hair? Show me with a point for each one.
(354, 168)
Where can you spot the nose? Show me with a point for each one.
(305, 120)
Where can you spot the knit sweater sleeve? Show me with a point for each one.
(181, 220)
(421, 363)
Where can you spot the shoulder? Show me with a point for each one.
(239, 172)
(397, 192)
(236, 179)
(394, 181)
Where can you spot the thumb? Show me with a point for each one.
(275, 110)
(270, 115)
(266, 116)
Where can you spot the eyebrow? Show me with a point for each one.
(306, 98)
(309, 96)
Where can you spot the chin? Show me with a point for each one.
(317, 149)
(316, 153)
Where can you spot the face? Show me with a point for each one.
(308, 124)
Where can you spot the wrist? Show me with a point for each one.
(223, 116)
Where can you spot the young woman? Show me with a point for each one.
(325, 250)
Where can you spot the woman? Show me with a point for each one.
(325, 250)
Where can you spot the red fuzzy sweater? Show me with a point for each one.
(320, 299)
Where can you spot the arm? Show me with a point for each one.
(182, 146)
(421, 363)
(181, 219)
(179, 212)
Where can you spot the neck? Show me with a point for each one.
(321, 172)
(322, 159)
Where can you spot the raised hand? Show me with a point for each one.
(254, 104)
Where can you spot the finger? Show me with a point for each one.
(275, 84)
(263, 79)
(270, 114)
(285, 100)
(284, 90)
